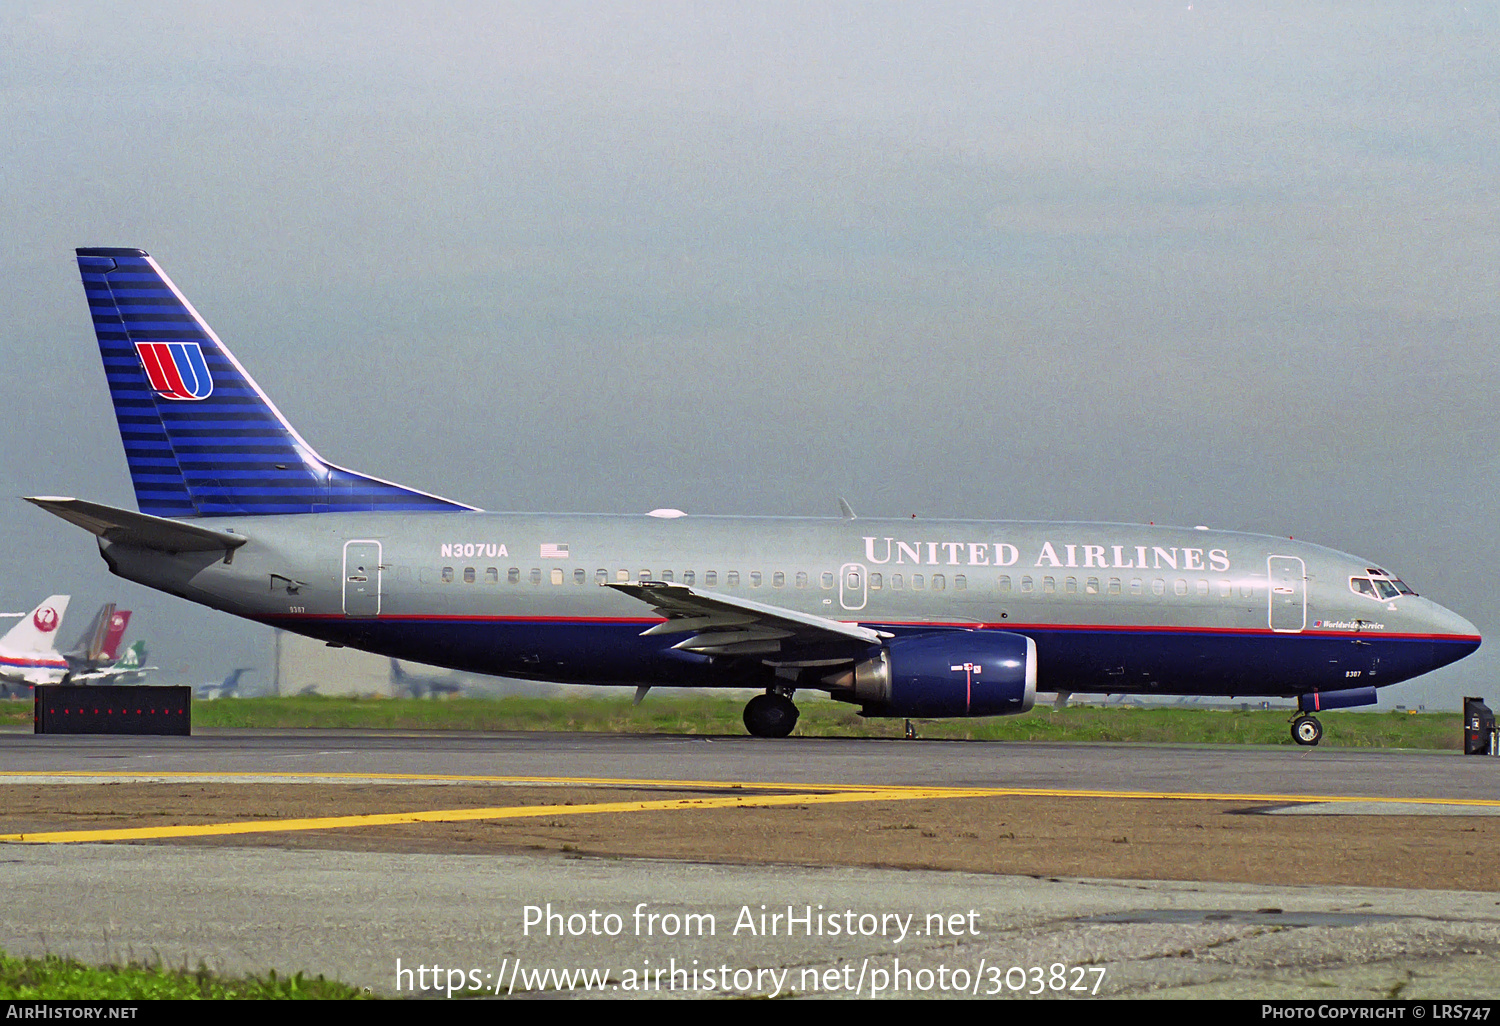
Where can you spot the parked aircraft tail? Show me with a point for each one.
(134, 658)
(110, 650)
(36, 632)
(200, 437)
(89, 648)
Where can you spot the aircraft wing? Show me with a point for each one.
(719, 624)
(138, 529)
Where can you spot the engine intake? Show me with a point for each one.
(953, 673)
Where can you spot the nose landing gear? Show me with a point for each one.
(1306, 730)
(770, 715)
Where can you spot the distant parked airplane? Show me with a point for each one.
(229, 687)
(28, 651)
(421, 685)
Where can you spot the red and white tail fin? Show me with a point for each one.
(110, 650)
(36, 632)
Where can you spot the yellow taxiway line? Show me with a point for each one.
(796, 794)
(468, 815)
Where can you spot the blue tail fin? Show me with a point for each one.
(200, 436)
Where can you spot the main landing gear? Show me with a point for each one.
(1306, 730)
(770, 715)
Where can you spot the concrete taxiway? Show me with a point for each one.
(352, 900)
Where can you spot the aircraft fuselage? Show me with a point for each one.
(1112, 608)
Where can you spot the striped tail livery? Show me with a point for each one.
(201, 438)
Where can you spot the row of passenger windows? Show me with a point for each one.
(1116, 586)
(557, 575)
(1026, 585)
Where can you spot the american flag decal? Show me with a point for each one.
(554, 552)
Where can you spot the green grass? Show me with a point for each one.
(691, 714)
(66, 979)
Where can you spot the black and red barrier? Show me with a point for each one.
(113, 709)
(1479, 728)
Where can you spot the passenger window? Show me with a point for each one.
(492, 575)
(1049, 585)
(1158, 587)
(1114, 586)
(732, 578)
(644, 576)
(960, 582)
(447, 575)
(939, 582)
(1202, 589)
(1071, 586)
(917, 583)
(876, 581)
(666, 575)
(622, 576)
(827, 581)
(601, 576)
(687, 577)
(801, 579)
(513, 575)
(1226, 589)
(468, 575)
(778, 579)
(755, 578)
(1091, 586)
(1180, 587)
(580, 575)
(1026, 585)
(1137, 586)
(711, 578)
(896, 582)
(536, 575)
(557, 575)
(1004, 582)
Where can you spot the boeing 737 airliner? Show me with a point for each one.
(902, 618)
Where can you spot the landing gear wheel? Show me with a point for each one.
(1306, 730)
(770, 715)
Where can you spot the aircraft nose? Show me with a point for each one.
(1453, 637)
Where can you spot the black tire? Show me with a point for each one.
(770, 716)
(1306, 730)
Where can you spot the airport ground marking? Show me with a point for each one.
(898, 790)
(470, 815)
(798, 794)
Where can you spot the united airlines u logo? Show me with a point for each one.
(176, 370)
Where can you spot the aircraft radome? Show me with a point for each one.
(904, 618)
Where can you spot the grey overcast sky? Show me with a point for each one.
(1195, 263)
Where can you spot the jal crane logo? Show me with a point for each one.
(45, 619)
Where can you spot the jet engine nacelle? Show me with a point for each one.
(954, 673)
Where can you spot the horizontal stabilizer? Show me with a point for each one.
(125, 527)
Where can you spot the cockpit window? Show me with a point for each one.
(1379, 586)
